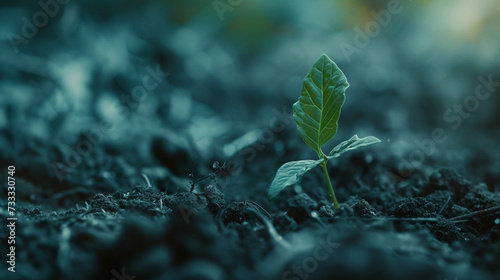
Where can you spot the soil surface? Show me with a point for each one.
(118, 178)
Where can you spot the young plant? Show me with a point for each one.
(316, 115)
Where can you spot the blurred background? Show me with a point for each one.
(96, 93)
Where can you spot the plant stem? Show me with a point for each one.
(327, 177)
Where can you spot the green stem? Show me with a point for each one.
(327, 177)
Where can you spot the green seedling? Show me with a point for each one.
(316, 115)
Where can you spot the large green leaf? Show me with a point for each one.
(352, 144)
(318, 109)
(289, 174)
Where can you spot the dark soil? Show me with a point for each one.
(177, 188)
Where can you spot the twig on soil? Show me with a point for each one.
(260, 208)
(440, 211)
(477, 213)
(212, 175)
(273, 234)
(432, 220)
(455, 220)
(147, 180)
(458, 221)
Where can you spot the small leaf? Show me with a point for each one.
(318, 109)
(352, 144)
(289, 174)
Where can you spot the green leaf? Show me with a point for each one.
(352, 144)
(289, 174)
(318, 109)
